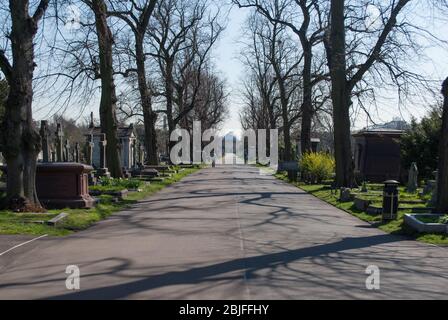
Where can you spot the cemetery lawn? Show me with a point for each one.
(394, 227)
(35, 224)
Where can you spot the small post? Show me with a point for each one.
(45, 142)
(59, 136)
(390, 200)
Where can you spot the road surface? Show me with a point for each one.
(225, 233)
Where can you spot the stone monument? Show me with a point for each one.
(103, 171)
(45, 143)
(413, 178)
(66, 154)
(59, 148)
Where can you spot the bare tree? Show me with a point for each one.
(108, 102)
(442, 205)
(345, 78)
(21, 141)
(182, 36)
(137, 15)
(305, 19)
(273, 55)
(211, 106)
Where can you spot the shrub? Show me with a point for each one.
(420, 144)
(317, 167)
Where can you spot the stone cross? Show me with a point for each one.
(77, 156)
(59, 135)
(67, 151)
(89, 149)
(413, 178)
(45, 142)
(103, 144)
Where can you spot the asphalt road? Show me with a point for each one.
(225, 233)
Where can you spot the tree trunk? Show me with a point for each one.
(108, 92)
(341, 96)
(442, 204)
(21, 141)
(149, 116)
(307, 107)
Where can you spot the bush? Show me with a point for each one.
(317, 167)
(420, 144)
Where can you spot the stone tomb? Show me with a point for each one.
(378, 155)
(64, 185)
(127, 139)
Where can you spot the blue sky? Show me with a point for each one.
(227, 62)
(388, 107)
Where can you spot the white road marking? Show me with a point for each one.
(22, 244)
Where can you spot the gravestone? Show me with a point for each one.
(364, 189)
(59, 147)
(67, 151)
(135, 157)
(413, 178)
(292, 167)
(141, 154)
(126, 136)
(346, 195)
(77, 153)
(103, 171)
(435, 192)
(45, 143)
(89, 158)
(53, 154)
(89, 149)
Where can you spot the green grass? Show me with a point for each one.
(28, 224)
(397, 227)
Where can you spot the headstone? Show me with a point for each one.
(429, 187)
(135, 157)
(77, 153)
(141, 154)
(53, 154)
(364, 187)
(413, 178)
(89, 158)
(435, 192)
(45, 143)
(89, 149)
(346, 195)
(59, 147)
(67, 151)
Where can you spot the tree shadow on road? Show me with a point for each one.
(250, 265)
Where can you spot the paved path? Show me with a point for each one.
(227, 233)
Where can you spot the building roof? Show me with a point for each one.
(123, 132)
(379, 132)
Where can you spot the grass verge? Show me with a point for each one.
(32, 224)
(396, 227)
